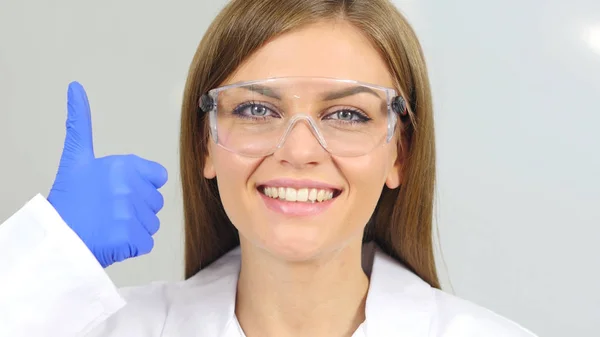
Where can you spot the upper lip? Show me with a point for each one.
(299, 183)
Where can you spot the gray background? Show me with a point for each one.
(516, 86)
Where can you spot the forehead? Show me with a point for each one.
(325, 49)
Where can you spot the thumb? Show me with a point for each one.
(78, 141)
(152, 171)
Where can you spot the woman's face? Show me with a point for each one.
(296, 231)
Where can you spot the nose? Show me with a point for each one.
(301, 146)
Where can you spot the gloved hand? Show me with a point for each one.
(110, 202)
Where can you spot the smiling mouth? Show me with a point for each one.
(307, 195)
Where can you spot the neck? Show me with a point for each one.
(321, 297)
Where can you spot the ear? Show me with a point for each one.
(209, 167)
(396, 175)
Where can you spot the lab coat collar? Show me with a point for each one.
(204, 305)
(399, 303)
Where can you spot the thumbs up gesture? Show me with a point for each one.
(110, 202)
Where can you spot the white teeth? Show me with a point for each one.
(312, 196)
(320, 195)
(302, 195)
(298, 195)
(281, 192)
(290, 194)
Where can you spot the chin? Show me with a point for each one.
(295, 247)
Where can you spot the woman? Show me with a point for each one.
(307, 140)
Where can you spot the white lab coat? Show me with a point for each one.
(51, 285)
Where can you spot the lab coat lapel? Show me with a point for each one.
(399, 303)
(205, 304)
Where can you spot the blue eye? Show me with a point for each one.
(348, 115)
(258, 110)
(254, 110)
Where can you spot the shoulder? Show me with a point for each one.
(454, 316)
(145, 311)
(160, 307)
(399, 300)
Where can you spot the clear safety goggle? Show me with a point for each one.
(348, 118)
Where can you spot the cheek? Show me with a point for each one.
(367, 173)
(366, 177)
(232, 179)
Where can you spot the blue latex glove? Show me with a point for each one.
(110, 202)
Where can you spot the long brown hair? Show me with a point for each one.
(402, 221)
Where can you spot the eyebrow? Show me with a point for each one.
(264, 90)
(329, 96)
(348, 92)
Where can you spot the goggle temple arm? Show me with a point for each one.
(399, 107)
(206, 103)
